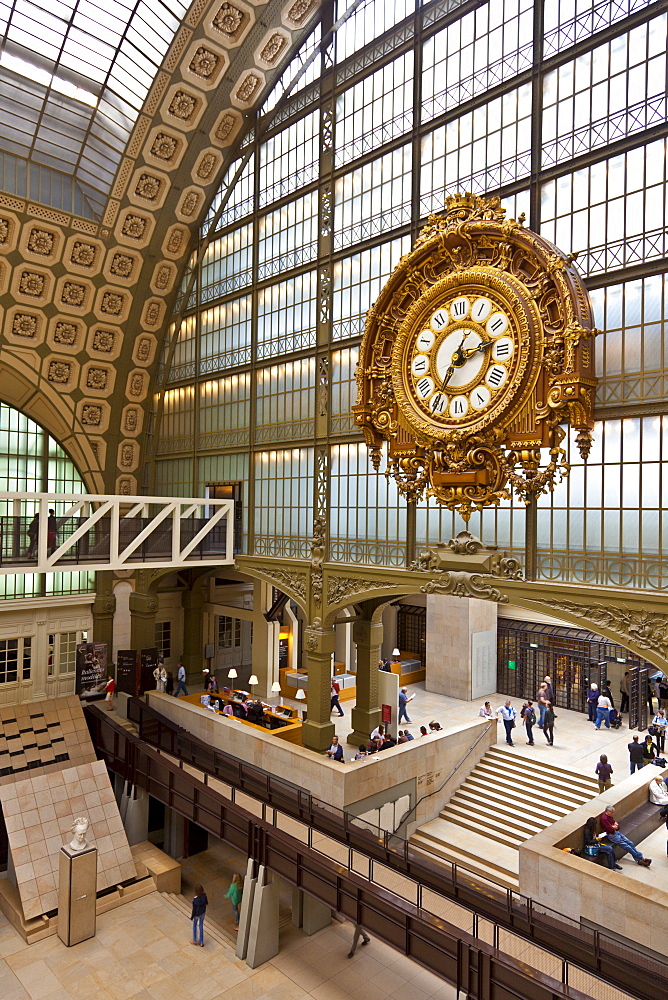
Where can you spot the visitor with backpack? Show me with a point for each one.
(528, 717)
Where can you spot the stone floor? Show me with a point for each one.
(143, 952)
(577, 744)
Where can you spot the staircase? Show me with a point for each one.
(212, 930)
(506, 799)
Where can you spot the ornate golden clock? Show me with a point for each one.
(474, 355)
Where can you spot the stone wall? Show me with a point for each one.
(426, 762)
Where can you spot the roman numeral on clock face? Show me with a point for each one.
(437, 403)
(425, 387)
(496, 376)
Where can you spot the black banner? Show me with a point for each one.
(127, 674)
(149, 662)
(91, 670)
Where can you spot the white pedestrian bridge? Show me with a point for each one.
(52, 532)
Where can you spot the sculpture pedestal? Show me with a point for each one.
(77, 893)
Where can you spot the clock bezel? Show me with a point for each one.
(505, 292)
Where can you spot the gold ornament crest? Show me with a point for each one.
(512, 441)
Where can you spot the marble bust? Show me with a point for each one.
(79, 828)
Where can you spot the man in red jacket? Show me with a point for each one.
(334, 703)
(611, 830)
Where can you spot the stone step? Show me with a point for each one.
(509, 813)
(475, 792)
(584, 780)
(531, 797)
(464, 818)
(534, 786)
(511, 763)
(469, 850)
(470, 864)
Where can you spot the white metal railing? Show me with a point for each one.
(52, 532)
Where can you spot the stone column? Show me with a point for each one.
(319, 644)
(143, 608)
(193, 632)
(39, 659)
(104, 607)
(452, 670)
(264, 652)
(366, 714)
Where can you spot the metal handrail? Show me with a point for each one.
(428, 795)
(572, 941)
(458, 955)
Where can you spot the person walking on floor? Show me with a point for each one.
(603, 711)
(547, 681)
(404, 698)
(648, 751)
(611, 830)
(110, 688)
(542, 700)
(625, 692)
(359, 933)
(660, 722)
(200, 903)
(234, 894)
(528, 717)
(33, 535)
(592, 701)
(334, 699)
(604, 774)
(548, 724)
(508, 714)
(635, 749)
(181, 681)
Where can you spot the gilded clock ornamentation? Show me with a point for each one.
(473, 356)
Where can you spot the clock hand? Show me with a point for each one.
(448, 375)
(484, 346)
(458, 358)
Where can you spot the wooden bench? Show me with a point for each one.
(640, 823)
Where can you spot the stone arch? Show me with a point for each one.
(45, 406)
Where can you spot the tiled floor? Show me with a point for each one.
(143, 952)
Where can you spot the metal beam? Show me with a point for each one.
(94, 532)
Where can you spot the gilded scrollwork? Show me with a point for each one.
(647, 629)
(343, 588)
(462, 584)
(290, 581)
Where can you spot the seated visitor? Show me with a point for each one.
(362, 752)
(228, 710)
(388, 742)
(435, 727)
(611, 830)
(658, 792)
(335, 751)
(423, 731)
(408, 735)
(594, 847)
(378, 731)
(401, 738)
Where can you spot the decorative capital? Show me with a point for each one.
(468, 554)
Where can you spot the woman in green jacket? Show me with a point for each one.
(234, 894)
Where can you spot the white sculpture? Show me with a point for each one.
(79, 828)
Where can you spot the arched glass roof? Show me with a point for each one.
(74, 75)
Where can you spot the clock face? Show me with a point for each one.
(461, 361)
